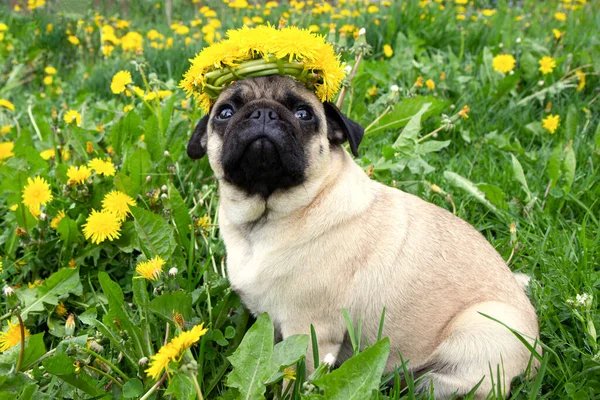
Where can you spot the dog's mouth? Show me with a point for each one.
(261, 163)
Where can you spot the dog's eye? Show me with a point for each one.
(303, 113)
(225, 113)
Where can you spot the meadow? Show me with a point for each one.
(111, 264)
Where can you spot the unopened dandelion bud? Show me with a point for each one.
(591, 329)
(143, 361)
(97, 347)
(513, 227)
(501, 45)
(163, 196)
(164, 188)
(540, 83)
(173, 271)
(21, 232)
(8, 291)
(394, 88)
(518, 40)
(167, 154)
(148, 178)
(70, 325)
(43, 216)
(435, 188)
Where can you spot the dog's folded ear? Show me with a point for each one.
(341, 128)
(196, 147)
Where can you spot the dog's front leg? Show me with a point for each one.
(330, 336)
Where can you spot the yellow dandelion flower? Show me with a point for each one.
(48, 80)
(127, 108)
(547, 65)
(173, 350)
(430, 84)
(580, 78)
(4, 129)
(61, 309)
(289, 374)
(56, 220)
(74, 40)
(463, 113)
(11, 337)
(557, 34)
(419, 82)
(78, 175)
(118, 203)
(102, 167)
(503, 63)
(560, 16)
(36, 193)
(150, 269)
(488, 12)
(72, 116)
(551, 123)
(203, 222)
(6, 150)
(119, 81)
(387, 50)
(7, 104)
(102, 225)
(49, 70)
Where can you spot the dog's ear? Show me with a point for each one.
(196, 147)
(341, 128)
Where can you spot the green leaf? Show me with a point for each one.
(412, 129)
(128, 127)
(597, 138)
(520, 176)
(359, 376)
(154, 139)
(182, 387)
(68, 232)
(404, 110)
(181, 216)
(290, 350)
(553, 166)
(138, 165)
(117, 310)
(568, 167)
(124, 184)
(571, 123)
(165, 304)
(133, 388)
(58, 284)
(154, 233)
(251, 361)
(468, 186)
(431, 146)
(62, 367)
(494, 194)
(59, 364)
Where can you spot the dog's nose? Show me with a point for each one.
(264, 115)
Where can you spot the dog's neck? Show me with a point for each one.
(340, 187)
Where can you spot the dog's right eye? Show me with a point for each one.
(225, 113)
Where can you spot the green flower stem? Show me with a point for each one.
(196, 386)
(104, 360)
(112, 378)
(22, 352)
(153, 388)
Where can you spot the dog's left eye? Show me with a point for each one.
(303, 113)
(225, 113)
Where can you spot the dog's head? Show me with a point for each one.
(268, 133)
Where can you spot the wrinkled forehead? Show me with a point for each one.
(284, 90)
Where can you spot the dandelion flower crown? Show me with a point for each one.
(261, 51)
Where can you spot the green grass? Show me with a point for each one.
(553, 204)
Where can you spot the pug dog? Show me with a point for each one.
(308, 233)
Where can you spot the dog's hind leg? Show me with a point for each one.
(476, 348)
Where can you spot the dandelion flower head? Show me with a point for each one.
(102, 225)
(547, 65)
(6, 150)
(36, 193)
(102, 167)
(150, 269)
(503, 63)
(118, 203)
(119, 81)
(172, 351)
(78, 175)
(11, 337)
